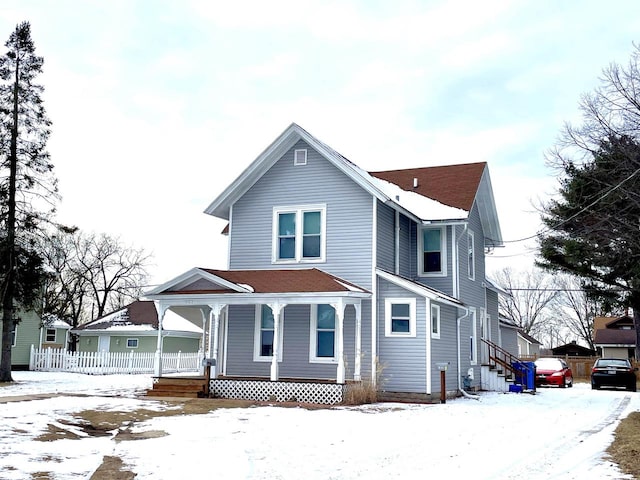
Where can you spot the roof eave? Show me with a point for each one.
(221, 205)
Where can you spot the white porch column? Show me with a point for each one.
(214, 319)
(158, 363)
(203, 341)
(276, 309)
(358, 360)
(339, 308)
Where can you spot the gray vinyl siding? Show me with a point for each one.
(349, 217)
(509, 338)
(296, 345)
(386, 238)
(465, 350)
(492, 309)
(407, 254)
(472, 292)
(445, 349)
(403, 359)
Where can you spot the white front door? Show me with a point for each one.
(103, 343)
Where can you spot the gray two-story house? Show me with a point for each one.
(339, 275)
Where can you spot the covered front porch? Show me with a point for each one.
(276, 335)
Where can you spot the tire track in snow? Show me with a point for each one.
(571, 454)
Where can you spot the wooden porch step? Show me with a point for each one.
(177, 387)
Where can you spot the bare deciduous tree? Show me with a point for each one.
(532, 293)
(91, 274)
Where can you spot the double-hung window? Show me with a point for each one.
(323, 334)
(400, 317)
(50, 335)
(299, 234)
(432, 252)
(264, 334)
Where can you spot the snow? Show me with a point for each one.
(423, 207)
(170, 322)
(556, 433)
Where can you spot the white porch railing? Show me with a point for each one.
(104, 363)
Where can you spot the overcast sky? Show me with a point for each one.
(157, 105)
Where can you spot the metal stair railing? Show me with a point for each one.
(499, 356)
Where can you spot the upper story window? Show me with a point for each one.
(299, 234)
(471, 257)
(433, 252)
(400, 317)
(51, 335)
(323, 334)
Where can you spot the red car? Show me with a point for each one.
(553, 371)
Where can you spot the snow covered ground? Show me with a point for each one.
(557, 433)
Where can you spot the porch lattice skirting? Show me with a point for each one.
(305, 392)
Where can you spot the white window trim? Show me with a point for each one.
(15, 336)
(314, 336)
(471, 253)
(300, 152)
(435, 308)
(473, 337)
(136, 340)
(388, 302)
(256, 336)
(299, 210)
(46, 334)
(443, 252)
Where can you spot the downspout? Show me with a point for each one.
(374, 292)
(455, 259)
(460, 389)
(397, 243)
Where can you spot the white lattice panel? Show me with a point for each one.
(305, 392)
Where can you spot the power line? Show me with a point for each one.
(597, 200)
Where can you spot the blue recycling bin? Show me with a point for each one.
(525, 373)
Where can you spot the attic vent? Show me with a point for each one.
(300, 157)
(415, 182)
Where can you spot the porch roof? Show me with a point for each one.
(253, 286)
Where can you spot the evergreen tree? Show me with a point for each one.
(594, 225)
(28, 189)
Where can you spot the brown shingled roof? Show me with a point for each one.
(453, 185)
(140, 312)
(282, 281)
(613, 336)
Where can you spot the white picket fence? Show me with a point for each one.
(104, 363)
